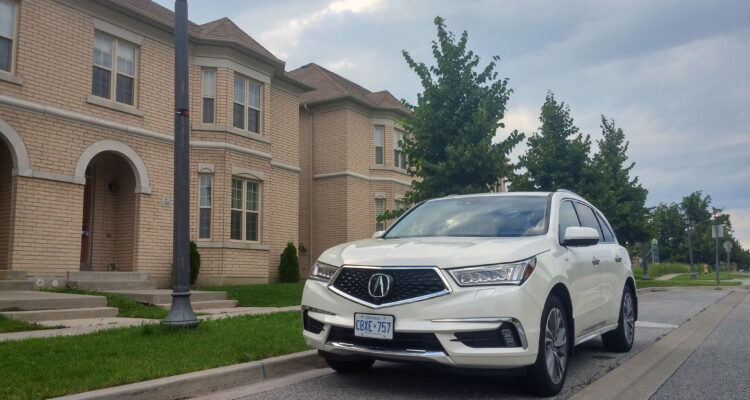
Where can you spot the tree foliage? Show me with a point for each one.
(289, 264)
(669, 225)
(450, 130)
(558, 154)
(611, 189)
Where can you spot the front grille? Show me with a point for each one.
(401, 341)
(407, 283)
(504, 336)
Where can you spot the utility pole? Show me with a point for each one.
(181, 313)
(728, 248)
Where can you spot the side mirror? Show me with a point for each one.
(580, 236)
(378, 234)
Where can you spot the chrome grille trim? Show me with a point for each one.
(447, 288)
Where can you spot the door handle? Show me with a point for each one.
(595, 261)
(618, 258)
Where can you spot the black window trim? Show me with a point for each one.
(598, 214)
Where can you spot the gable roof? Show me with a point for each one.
(330, 86)
(221, 29)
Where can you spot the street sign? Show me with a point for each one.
(717, 231)
(728, 246)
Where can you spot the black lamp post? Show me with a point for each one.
(181, 313)
(689, 224)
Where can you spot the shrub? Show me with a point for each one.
(289, 264)
(195, 262)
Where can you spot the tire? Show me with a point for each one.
(547, 376)
(352, 366)
(621, 339)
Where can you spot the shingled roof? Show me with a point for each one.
(332, 86)
(221, 29)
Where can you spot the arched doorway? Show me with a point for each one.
(109, 214)
(6, 202)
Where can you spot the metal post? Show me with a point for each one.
(644, 261)
(729, 266)
(690, 246)
(717, 253)
(181, 313)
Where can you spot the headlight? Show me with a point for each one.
(496, 274)
(322, 272)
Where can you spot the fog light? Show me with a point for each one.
(510, 341)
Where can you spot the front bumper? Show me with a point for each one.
(470, 309)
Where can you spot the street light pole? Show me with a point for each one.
(644, 261)
(181, 313)
(690, 246)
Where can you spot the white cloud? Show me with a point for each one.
(284, 37)
(341, 66)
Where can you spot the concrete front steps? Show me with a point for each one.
(14, 280)
(100, 280)
(162, 298)
(34, 306)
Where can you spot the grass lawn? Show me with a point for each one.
(657, 270)
(641, 284)
(127, 306)
(11, 325)
(42, 368)
(269, 295)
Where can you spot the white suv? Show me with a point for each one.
(497, 281)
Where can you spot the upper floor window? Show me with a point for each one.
(245, 212)
(7, 33)
(114, 68)
(246, 113)
(378, 145)
(399, 158)
(208, 95)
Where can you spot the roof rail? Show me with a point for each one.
(567, 191)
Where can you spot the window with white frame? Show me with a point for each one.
(378, 145)
(209, 95)
(114, 69)
(245, 211)
(399, 205)
(399, 158)
(205, 184)
(247, 100)
(8, 10)
(379, 210)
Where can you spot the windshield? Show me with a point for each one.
(481, 216)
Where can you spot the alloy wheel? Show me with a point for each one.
(556, 345)
(628, 317)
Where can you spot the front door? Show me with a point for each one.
(86, 225)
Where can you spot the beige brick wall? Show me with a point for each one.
(305, 191)
(46, 227)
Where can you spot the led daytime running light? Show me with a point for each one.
(498, 274)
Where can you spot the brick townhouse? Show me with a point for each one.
(86, 146)
(352, 169)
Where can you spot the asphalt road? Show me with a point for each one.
(720, 367)
(660, 313)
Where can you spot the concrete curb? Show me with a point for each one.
(672, 288)
(208, 381)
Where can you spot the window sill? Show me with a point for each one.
(380, 167)
(8, 77)
(232, 245)
(232, 130)
(102, 102)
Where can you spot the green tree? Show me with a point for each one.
(450, 130)
(611, 189)
(558, 154)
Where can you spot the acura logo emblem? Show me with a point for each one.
(379, 285)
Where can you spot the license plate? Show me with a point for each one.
(373, 326)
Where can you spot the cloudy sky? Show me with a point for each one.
(674, 74)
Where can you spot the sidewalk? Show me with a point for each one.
(75, 327)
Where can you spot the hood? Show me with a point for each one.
(443, 252)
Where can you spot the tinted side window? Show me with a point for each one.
(608, 236)
(568, 218)
(588, 219)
